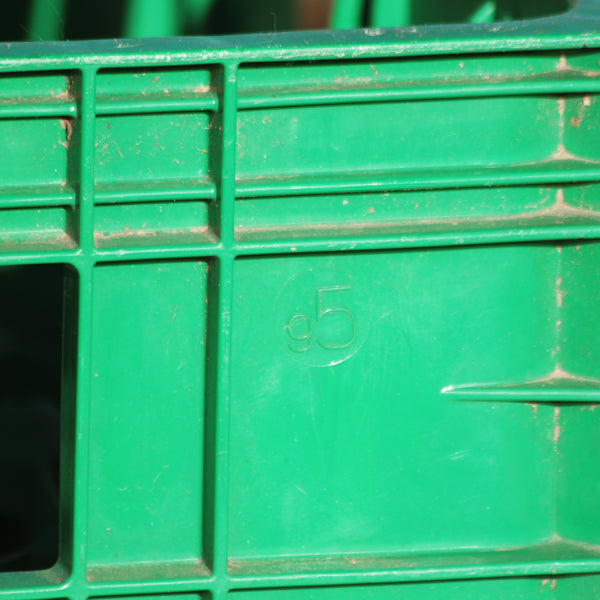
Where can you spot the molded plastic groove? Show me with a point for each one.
(19, 111)
(388, 93)
(224, 341)
(38, 257)
(556, 387)
(37, 197)
(531, 566)
(545, 172)
(155, 191)
(158, 106)
(77, 552)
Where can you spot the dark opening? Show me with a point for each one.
(31, 300)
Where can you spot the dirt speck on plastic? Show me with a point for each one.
(534, 407)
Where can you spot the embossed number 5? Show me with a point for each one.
(325, 295)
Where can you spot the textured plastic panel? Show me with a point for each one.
(330, 308)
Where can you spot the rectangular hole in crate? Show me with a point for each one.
(31, 324)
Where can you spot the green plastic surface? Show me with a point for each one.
(330, 308)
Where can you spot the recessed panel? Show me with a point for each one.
(160, 148)
(146, 419)
(34, 152)
(319, 141)
(342, 440)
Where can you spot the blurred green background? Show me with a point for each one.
(44, 20)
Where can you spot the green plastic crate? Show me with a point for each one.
(330, 309)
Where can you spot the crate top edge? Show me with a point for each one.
(578, 28)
